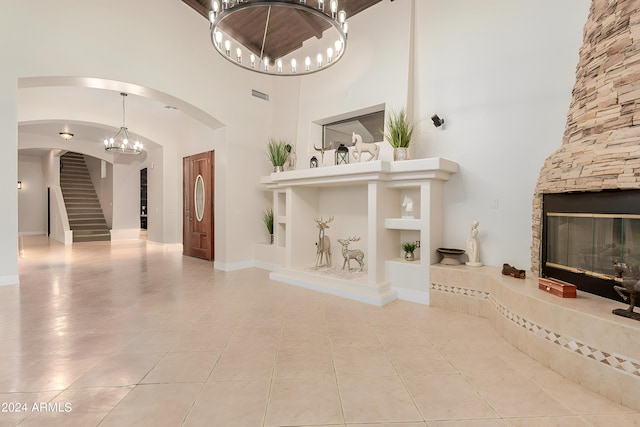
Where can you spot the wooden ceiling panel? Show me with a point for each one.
(287, 27)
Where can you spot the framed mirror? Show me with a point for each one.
(369, 126)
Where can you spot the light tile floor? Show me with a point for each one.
(129, 334)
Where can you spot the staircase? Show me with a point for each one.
(86, 218)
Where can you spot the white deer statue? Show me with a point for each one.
(350, 254)
(324, 244)
(364, 147)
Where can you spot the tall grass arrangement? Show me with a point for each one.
(277, 152)
(399, 129)
(267, 218)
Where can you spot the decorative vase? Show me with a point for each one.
(278, 169)
(271, 240)
(400, 153)
(408, 256)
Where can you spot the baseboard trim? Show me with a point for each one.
(419, 297)
(9, 280)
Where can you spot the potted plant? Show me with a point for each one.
(398, 133)
(277, 153)
(408, 248)
(267, 218)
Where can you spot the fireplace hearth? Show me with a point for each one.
(584, 234)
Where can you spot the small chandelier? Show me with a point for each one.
(120, 142)
(232, 21)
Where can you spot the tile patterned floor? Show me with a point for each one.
(128, 334)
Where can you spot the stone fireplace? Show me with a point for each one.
(585, 233)
(600, 153)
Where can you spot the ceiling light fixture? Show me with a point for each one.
(239, 35)
(65, 135)
(120, 142)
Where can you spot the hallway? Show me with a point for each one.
(130, 333)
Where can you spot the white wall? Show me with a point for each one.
(185, 71)
(374, 71)
(126, 202)
(8, 175)
(32, 199)
(500, 72)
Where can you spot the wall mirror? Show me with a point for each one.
(369, 126)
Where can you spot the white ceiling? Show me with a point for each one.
(94, 114)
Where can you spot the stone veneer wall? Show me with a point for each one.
(601, 144)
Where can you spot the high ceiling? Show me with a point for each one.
(288, 28)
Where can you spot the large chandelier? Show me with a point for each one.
(121, 141)
(279, 37)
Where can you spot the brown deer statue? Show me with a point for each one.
(324, 244)
(630, 285)
(350, 254)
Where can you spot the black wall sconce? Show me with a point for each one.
(19, 185)
(437, 121)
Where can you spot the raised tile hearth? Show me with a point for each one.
(579, 338)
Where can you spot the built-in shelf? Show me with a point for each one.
(400, 260)
(405, 174)
(366, 199)
(403, 224)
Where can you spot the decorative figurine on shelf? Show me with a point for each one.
(350, 254)
(342, 155)
(473, 249)
(324, 244)
(364, 147)
(509, 270)
(313, 163)
(407, 207)
(629, 290)
(291, 158)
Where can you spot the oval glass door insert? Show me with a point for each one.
(198, 198)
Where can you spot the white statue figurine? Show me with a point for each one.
(364, 147)
(407, 206)
(291, 158)
(473, 250)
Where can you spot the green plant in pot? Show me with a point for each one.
(267, 218)
(277, 153)
(408, 248)
(398, 132)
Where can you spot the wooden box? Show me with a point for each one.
(557, 287)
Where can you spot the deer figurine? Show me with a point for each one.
(350, 254)
(630, 283)
(324, 244)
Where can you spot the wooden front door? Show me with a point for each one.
(197, 178)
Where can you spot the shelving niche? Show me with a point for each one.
(365, 201)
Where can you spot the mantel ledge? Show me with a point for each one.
(434, 168)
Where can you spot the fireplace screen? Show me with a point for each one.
(591, 243)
